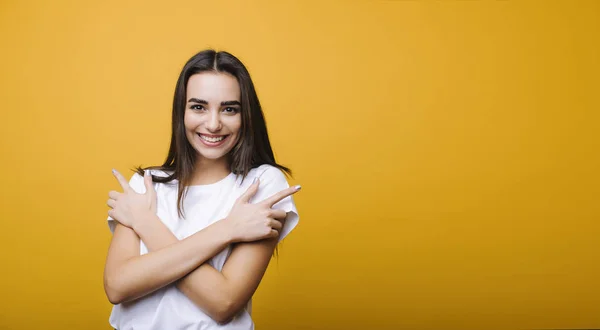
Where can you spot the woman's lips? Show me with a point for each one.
(211, 141)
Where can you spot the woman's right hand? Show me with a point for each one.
(252, 222)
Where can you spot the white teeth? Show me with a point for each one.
(211, 139)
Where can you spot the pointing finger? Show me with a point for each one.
(124, 184)
(281, 195)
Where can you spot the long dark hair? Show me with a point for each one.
(252, 148)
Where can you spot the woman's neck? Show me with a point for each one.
(210, 171)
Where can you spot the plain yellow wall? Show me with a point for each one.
(448, 152)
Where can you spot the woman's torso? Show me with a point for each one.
(168, 308)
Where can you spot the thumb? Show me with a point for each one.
(245, 198)
(148, 182)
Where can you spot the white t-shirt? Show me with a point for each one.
(169, 308)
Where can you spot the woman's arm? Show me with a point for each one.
(128, 276)
(225, 293)
(220, 294)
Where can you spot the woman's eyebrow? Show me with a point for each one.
(195, 100)
(231, 103)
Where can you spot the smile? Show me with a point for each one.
(212, 141)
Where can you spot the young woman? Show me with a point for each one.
(192, 238)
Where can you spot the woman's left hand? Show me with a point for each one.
(129, 207)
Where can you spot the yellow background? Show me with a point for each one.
(448, 152)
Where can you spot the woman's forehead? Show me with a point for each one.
(213, 87)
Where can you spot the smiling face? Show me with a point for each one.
(212, 114)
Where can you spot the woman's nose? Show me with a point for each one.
(214, 122)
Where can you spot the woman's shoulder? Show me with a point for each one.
(155, 172)
(160, 173)
(267, 174)
(136, 181)
(266, 170)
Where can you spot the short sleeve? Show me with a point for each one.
(272, 181)
(137, 184)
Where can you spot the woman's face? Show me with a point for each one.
(212, 114)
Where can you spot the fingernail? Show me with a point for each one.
(255, 179)
(113, 170)
(298, 187)
(147, 172)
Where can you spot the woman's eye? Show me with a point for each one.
(231, 110)
(196, 107)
